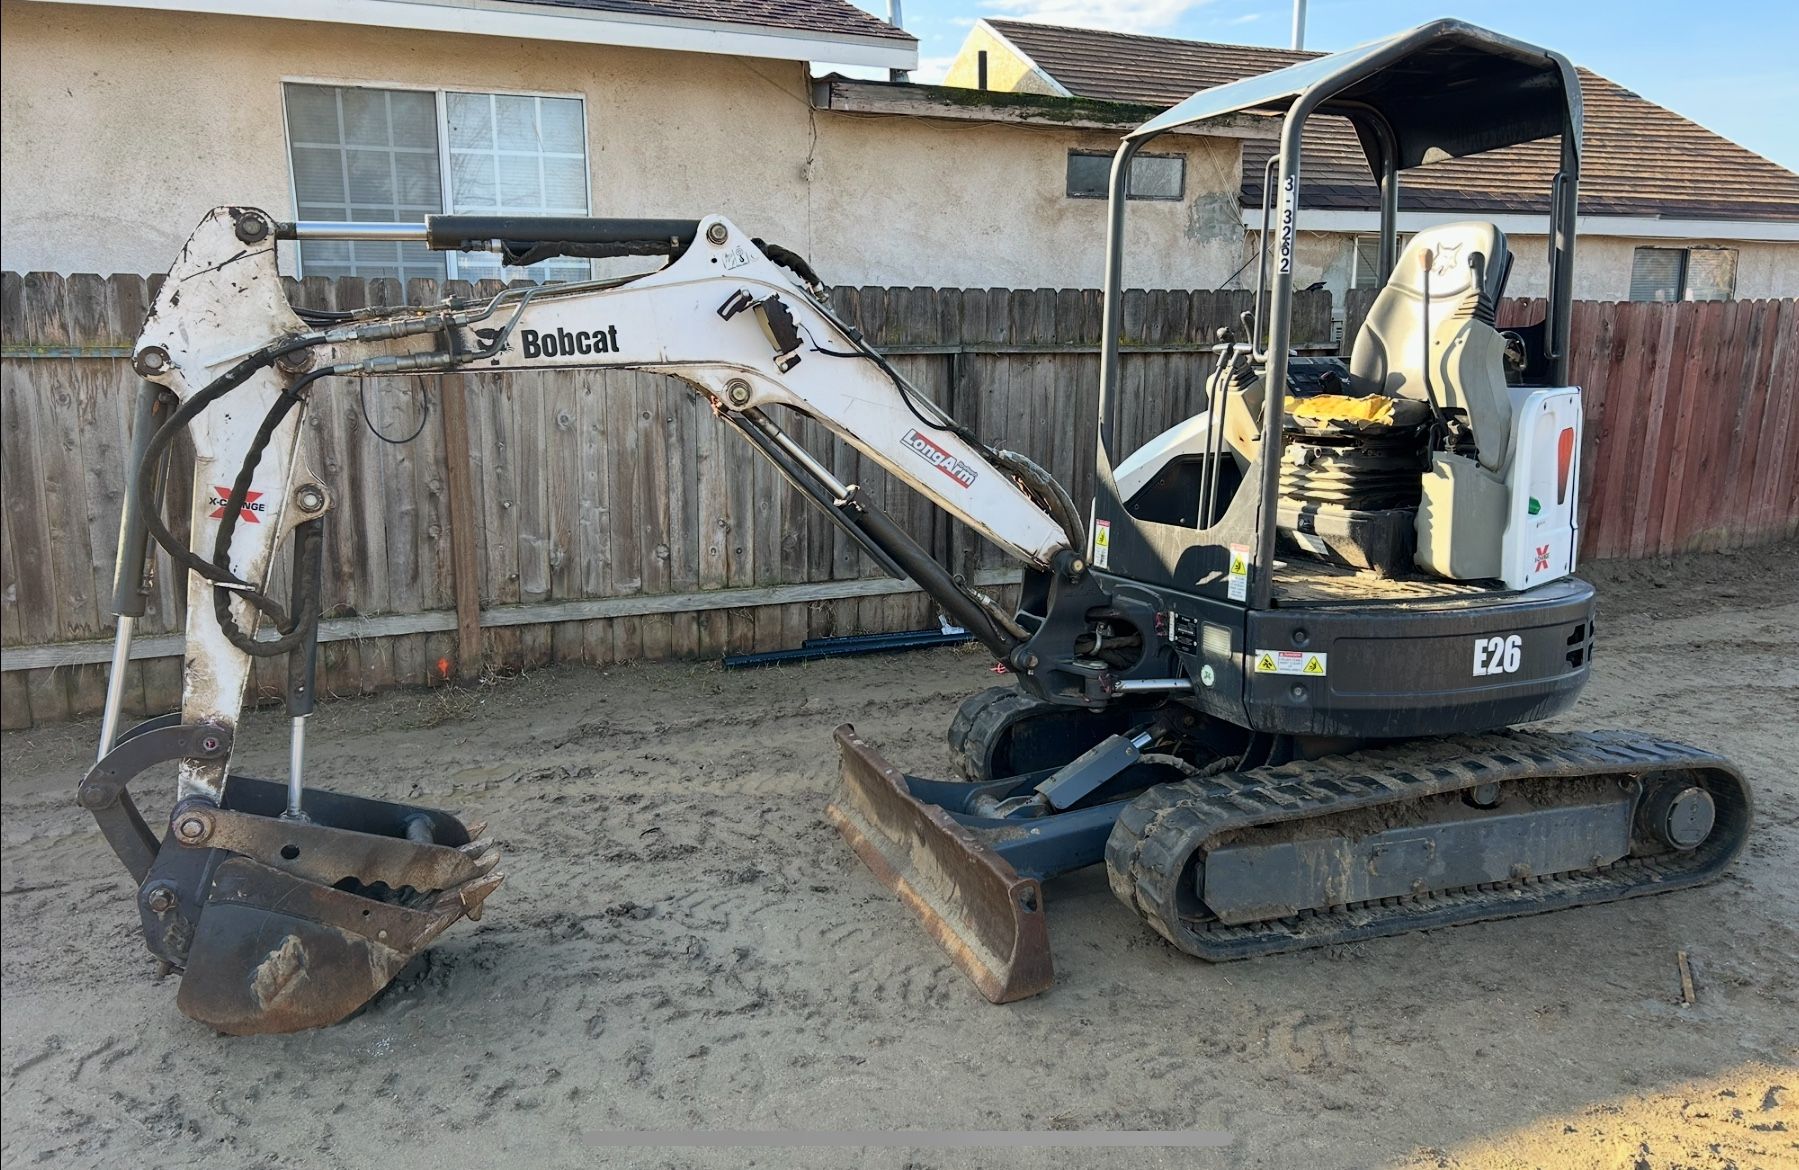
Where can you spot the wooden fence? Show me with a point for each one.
(1692, 421)
(611, 517)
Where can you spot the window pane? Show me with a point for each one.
(369, 156)
(510, 153)
(1655, 274)
(311, 113)
(1154, 177)
(318, 174)
(371, 176)
(365, 116)
(414, 117)
(1711, 274)
(418, 186)
(515, 122)
(376, 252)
(1088, 175)
(328, 258)
(519, 186)
(562, 130)
(471, 120)
(1367, 261)
(564, 185)
(472, 180)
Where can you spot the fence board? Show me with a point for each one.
(625, 485)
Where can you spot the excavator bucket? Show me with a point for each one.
(297, 924)
(986, 917)
(277, 923)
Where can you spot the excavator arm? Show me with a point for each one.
(722, 317)
(289, 909)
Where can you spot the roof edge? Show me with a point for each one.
(961, 104)
(568, 25)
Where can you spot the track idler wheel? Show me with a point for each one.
(282, 924)
(1002, 731)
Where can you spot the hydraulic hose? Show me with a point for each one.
(218, 571)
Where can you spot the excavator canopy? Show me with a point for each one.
(1445, 89)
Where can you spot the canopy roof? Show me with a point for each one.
(1445, 89)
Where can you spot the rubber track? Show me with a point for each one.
(1159, 832)
(980, 721)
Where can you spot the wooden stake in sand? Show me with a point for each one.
(1686, 978)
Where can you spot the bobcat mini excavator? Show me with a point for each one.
(1264, 679)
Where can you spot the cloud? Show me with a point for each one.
(931, 70)
(1131, 16)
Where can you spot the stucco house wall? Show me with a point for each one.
(124, 125)
(1765, 270)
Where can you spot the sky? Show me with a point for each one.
(1730, 65)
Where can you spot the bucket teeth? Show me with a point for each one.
(474, 894)
(477, 830)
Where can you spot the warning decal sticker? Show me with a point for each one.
(1102, 544)
(1292, 662)
(1237, 586)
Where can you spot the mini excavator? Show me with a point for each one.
(1268, 678)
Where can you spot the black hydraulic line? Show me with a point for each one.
(146, 487)
(1051, 496)
(795, 263)
(295, 629)
(129, 592)
(932, 577)
(846, 647)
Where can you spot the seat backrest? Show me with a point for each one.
(1464, 279)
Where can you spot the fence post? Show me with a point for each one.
(465, 568)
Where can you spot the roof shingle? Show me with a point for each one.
(1639, 158)
(839, 17)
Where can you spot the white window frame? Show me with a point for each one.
(443, 142)
(1686, 260)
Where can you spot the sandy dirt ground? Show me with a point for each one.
(684, 943)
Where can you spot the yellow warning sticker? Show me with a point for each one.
(1292, 662)
(1102, 545)
(1237, 583)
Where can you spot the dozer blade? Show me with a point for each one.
(281, 925)
(981, 912)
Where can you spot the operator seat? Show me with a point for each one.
(1430, 336)
(1452, 303)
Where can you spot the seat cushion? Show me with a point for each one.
(1347, 414)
